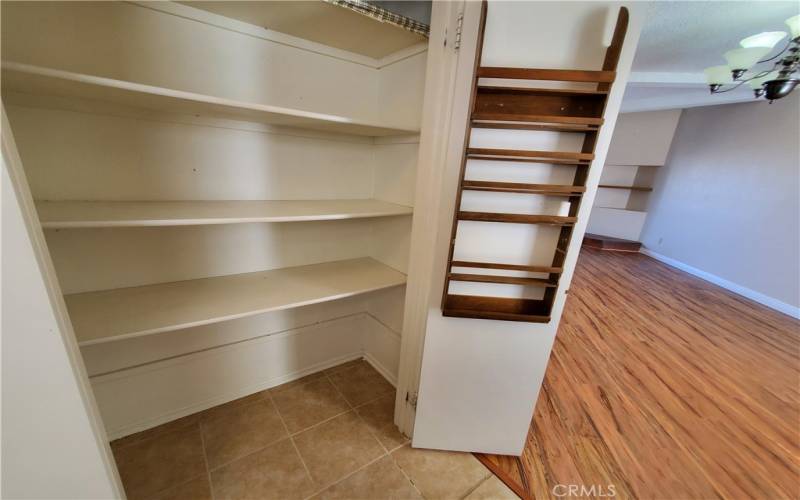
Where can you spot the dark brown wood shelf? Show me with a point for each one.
(506, 280)
(540, 90)
(510, 267)
(515, 187)
(610, 243)
(500, 308)
(561, 75)
(554, 157)
(553, 220)
(514, 107)
(631, 188)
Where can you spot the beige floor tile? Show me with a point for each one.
(381, 480)
(441, 475)
(153, 465)
(337, 448)
(196, 489)
(301, 381)
(344, 366)
(240, 430)
(275, 472)
(492, 489)
(236, 403)
(379, 417)
(360, 383)
(175, 425)
(309, 404)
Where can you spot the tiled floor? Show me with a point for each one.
(329, 435)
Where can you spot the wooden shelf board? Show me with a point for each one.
(555, 220)
(507, 280)
(499, 308)
(515, 187)
(564, 75)
(541, 90)
(510, 267)
(28, 79)
(123, 313)
(529, 118)
(631, 188)
(81, 214)
(554, 157)
(545, 127)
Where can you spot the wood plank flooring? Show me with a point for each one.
(664, 386)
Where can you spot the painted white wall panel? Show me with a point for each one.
(617, 223)
(643, 138)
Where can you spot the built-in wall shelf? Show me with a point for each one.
(631, 188)
(111, 315)
(82, 214)
(37, 80)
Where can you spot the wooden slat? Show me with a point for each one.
(557, 220)
(516, 187)
(563, 75)
(510, 267)
(631, 188)
(500, 308)
(520, 153)
(540, 90)
(526, 118)
(507, 280)
(548, 127)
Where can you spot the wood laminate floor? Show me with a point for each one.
(664, 386)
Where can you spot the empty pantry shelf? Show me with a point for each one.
(37, 80)
(122, 313)
(79, 214)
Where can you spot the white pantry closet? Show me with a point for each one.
(227, 207)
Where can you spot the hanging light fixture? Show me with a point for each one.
(772, 82)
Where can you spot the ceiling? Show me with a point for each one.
(319, 22)
(680, 39)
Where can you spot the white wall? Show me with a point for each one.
(52, 441)
(639, 146)
(728, 201)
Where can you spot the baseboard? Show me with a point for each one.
(759, 297)
(140, 398)
(143, 397)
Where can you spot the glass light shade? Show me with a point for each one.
(756, 83)
(745, 58)
(718, 75)
(794, 25)
(765, 39)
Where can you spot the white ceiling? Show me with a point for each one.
(680, 39)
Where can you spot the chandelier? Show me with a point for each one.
(771, 82)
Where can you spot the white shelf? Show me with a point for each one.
(80, 214)
(123, 313)
(29, 79)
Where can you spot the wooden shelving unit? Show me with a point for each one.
(111, 315)
(529, 108)
(84, 214)
(37, 80)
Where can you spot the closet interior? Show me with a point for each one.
(227, 207)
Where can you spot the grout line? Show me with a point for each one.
(291, 440)
(471, 490)
(205, 459)
(331, 485)
(403, 472)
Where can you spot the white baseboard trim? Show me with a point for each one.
(759, 297)
(389, 376)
